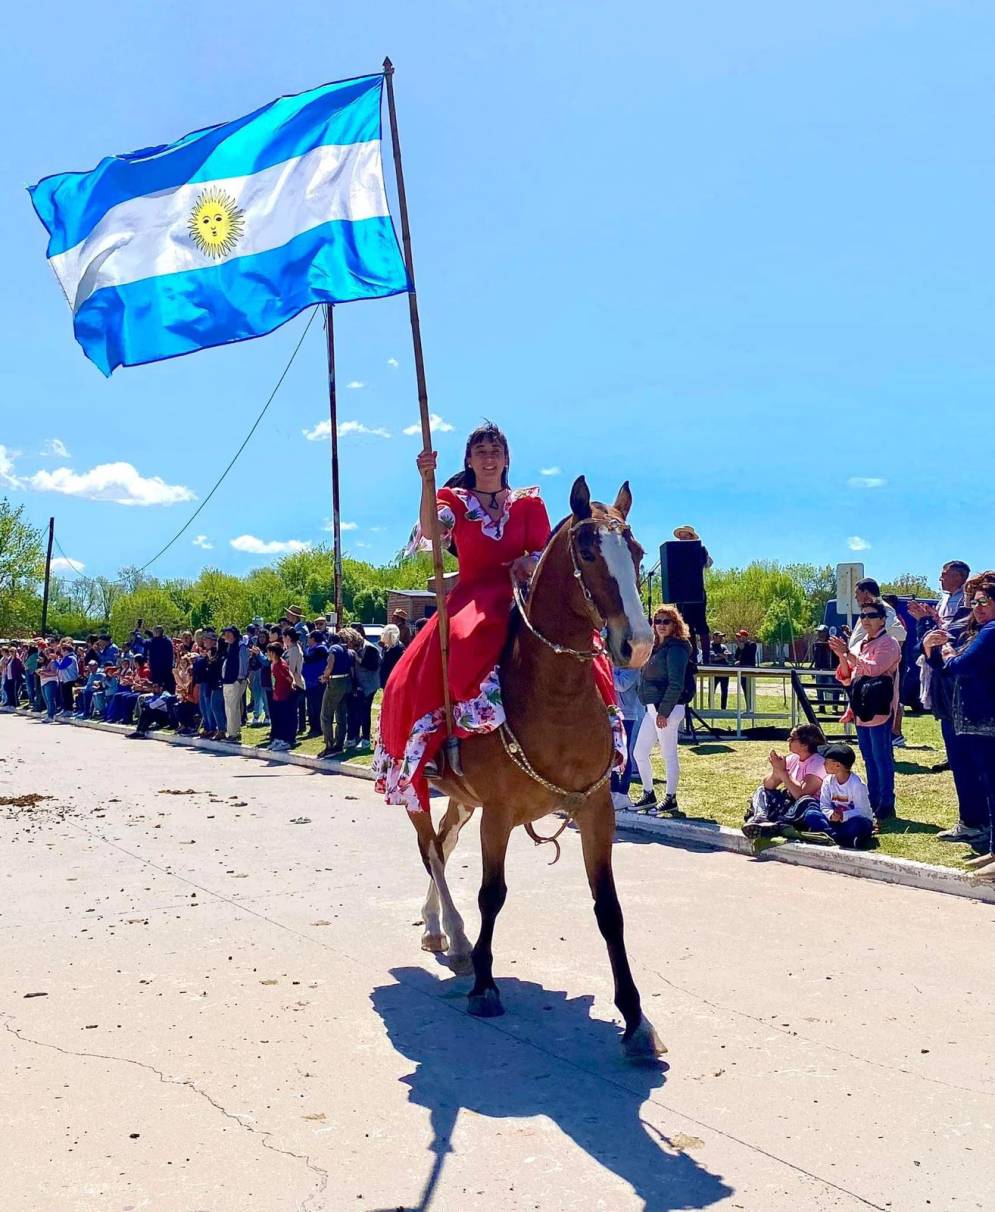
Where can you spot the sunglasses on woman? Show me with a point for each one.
(871, 615)
(981, 600)
(663, 622)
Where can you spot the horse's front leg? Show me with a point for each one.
(597, 829)
(435, 850)
(495, 829)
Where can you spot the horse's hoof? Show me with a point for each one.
(643, 1043)
(461, 965)
(434, 942)
(486, 1004)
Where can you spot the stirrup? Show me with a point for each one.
(451, 749)
(446, 761)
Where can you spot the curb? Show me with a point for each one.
(249, 751)
(855, 863)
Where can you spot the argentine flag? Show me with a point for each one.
(227, 233)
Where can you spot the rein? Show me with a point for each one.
(561, 649)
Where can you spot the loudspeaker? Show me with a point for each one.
(682, 571)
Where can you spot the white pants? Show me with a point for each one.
(234, 693)
(648, 736)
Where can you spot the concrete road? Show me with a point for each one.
(215, 1001)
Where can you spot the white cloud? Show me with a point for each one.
(866, 482)
(249, 543)
(324, 429)
(201, 541)
(64, 564)
(856, 543)
(7, 477)
(119, 483)
(435, 423)
(342, 525)
(355, 384)
(360, 543)
(56, 447)
(550, 471)
(393, 363)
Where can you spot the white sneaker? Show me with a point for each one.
(279, 746)
(898, 742)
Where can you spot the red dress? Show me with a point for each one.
(412, 716)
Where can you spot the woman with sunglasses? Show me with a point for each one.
(878, 655)
(662, 688)
(972, 670)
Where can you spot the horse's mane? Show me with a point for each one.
(515, 615)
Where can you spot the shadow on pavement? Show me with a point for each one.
(569, 1070)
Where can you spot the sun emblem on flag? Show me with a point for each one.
(216, 224)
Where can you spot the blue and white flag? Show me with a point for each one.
(227, 233)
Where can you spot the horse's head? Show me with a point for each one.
(607, 558)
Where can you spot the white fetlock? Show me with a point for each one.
(434, 942)
(461, 965)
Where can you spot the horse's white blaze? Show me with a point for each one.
(619, 561)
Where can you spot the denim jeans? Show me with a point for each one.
(52, 693)
(972, 795)
(879, 759)
(852, 833)
(260, 714)
(981, 750)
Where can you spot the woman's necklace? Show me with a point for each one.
(492, 505)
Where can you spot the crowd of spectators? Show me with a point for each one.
(300, 677)
(305, 679)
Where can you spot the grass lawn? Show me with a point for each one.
(718, 778)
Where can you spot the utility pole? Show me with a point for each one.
(48, 575)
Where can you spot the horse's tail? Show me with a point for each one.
(542, 841)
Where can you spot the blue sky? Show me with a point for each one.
(739, 255)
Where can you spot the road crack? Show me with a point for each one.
(264, 1134)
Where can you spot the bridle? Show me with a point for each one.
(609, 525)
(573, 801)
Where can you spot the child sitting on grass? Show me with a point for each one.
(844, 810)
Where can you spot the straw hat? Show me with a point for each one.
(295, 611)
(686, 532)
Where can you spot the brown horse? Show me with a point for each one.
(555, 751)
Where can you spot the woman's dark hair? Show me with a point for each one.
(488, 432)
(275, 648)
(810, 736)
(878, 607)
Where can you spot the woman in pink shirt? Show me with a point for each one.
(878, 656)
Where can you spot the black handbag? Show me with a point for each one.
(871, 696)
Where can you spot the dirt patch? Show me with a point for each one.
(31, 800)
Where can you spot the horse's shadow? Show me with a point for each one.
(548, 1057)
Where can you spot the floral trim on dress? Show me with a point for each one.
(483, 713)
(475, 512)
(419, 541)
(472, 717)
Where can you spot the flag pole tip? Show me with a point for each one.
(388, 66)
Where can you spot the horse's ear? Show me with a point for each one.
(580, 499)
(623, 502)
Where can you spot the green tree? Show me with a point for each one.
(818, 581)
(763, 597)
(22, 567)
(156, 604)
(910, 585)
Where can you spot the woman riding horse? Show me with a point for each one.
(499, 534)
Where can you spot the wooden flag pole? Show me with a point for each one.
(334, 422)
(426, 428)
